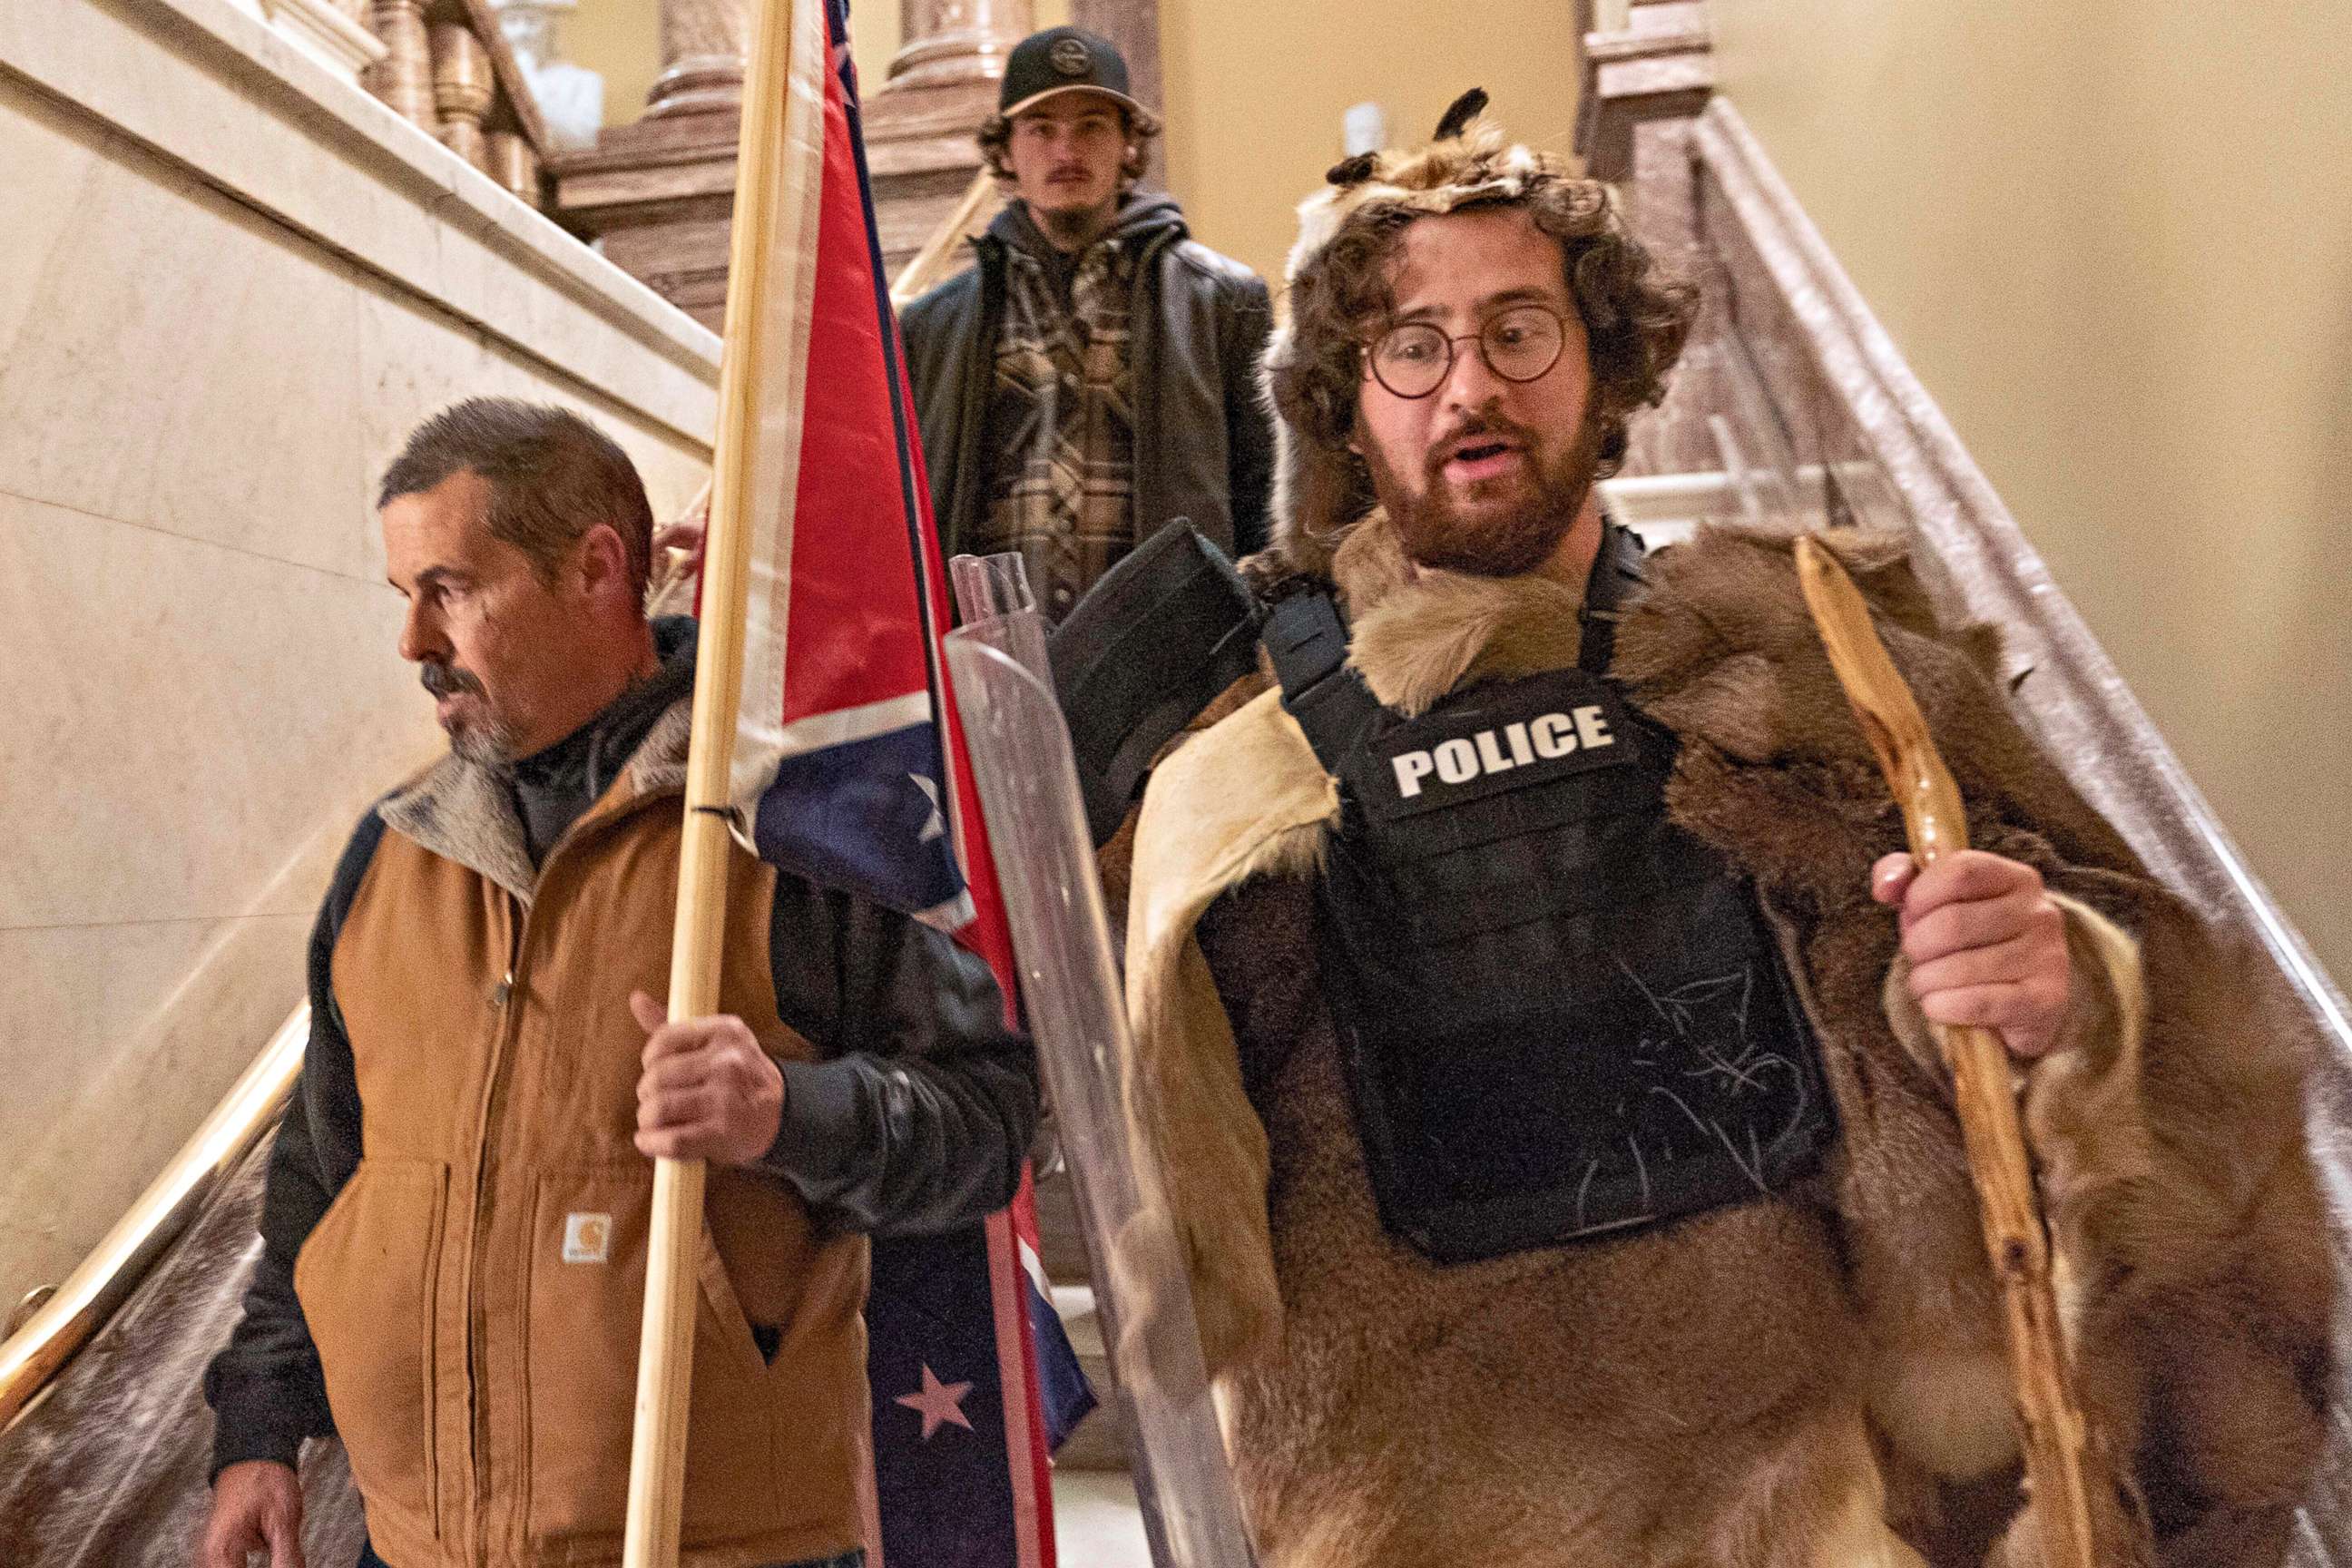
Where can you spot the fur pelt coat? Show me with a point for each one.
(1816, 1378)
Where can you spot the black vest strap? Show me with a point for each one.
(1308, 645)
(1149, 646)
(1615, 578)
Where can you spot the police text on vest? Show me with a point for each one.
(1459, 761)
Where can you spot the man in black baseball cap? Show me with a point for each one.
(1093, 377)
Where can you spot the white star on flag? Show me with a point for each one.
(938, 824)
(939, 1403)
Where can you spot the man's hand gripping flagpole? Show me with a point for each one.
(2089, 1516)
(773, 195)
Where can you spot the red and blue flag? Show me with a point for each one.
(848, 769)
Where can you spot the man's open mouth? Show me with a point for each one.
(1479, 458)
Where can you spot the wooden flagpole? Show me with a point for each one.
(2087, 1514)
(666, 1347)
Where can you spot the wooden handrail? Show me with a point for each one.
(931, 263)
(61, 1325)
(513, 87)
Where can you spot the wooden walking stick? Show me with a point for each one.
(2085, 1516)
(761, 377)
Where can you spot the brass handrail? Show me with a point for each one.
(31, 1356)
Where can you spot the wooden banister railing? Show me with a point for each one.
(449, 70)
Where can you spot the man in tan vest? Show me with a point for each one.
(454, 1237)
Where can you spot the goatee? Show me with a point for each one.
(490, 743)
(485, 745)
(1494, 540)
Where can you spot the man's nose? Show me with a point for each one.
(420, 636)
(1471, 383)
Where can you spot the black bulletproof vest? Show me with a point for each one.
(1561, 1014)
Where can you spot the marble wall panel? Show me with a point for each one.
(115, 1040)
(67, 992)
(165, 79)
(48, 172)
(414, 359)
(198, 395)
(186, 365)
(177, 714)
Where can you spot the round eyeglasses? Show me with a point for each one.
(1518, 344)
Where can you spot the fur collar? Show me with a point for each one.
(464, 812)
(1421, 632)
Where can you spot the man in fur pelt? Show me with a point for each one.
(1531, 1000)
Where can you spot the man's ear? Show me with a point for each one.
(603, 563)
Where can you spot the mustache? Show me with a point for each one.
(447, 679)
(1489, 425)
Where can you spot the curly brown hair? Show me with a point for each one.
(1635, 318)
(996, 139)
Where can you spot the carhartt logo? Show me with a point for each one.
(1541, 739)
(587, 1237)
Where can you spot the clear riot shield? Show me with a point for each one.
(1028, 787)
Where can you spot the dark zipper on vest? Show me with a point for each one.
(502, 1000)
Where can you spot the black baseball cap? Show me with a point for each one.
(1067, 59)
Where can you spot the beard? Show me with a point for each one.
(1504, 527)
(488, 741)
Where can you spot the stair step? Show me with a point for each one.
(1100, 1442)
(1074, 1305)
(1061, 1246)
(1097, 1523)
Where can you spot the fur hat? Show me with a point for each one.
(1321, 489)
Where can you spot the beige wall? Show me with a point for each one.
(622, 40)
(228, 285)
(1255, 92)
(2116, 243)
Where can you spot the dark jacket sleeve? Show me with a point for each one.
(920, 1115)
(265, 1388)
(940, 332)
(1249, 422)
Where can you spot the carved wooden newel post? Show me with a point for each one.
(702, 46)
(659, 194)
